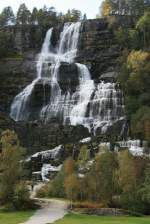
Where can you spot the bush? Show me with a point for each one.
(21, 199)
(42, 192)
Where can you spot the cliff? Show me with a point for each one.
(97, 49)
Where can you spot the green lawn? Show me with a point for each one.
(14, 217)
(87, 219)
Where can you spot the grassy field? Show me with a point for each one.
(87, 219)
(14, 217)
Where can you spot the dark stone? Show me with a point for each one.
(97, 49)
(68, 77)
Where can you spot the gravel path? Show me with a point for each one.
(51, 211)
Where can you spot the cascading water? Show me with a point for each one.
(19, 107)
(89, 104)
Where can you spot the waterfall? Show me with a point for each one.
(19, 107)
(86, 88)
(89, 104)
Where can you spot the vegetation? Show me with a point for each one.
(14, 217)
(125, 7)
(111, 179)
(35, 23)
(42, 17)
(121, 181)
(13, 191)
(134, 76)
(85, 219)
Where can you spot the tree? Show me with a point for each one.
(75, 15)
(140, 123)
(72, 187)
(143, 25)
(127, 7)
(136, 60)
(23, 15)
(126, 172)
(72, 15)
(69, 166)
(84, 17)
(7, 17)
(104, 166)
(145, 188)
(11, 169)
(34, 16)
(106, 8)
(6, 44)
(84, 155)
(130, 177)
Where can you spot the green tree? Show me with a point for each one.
(130, 177)
(143, 25)
(23, 15)
(140, 123)
(127, 7)
(145, 188)
(11, 169)
(34, 16)
(83, 155)
(104, 166)
(7, 17)
(6, 44)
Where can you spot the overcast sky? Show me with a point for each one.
(90, 7)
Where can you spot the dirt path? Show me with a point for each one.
(50, 211)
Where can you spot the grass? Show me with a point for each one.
(91, 219)
(14, 217)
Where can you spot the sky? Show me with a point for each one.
(90, 7)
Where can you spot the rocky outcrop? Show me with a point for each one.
(97, 49)
(15, 74)
(107, 212)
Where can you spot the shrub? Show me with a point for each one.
(21, 199)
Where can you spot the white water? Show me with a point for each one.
(19, 107)
(92, 105)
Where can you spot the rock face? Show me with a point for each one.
(97, 49)
(15, 74)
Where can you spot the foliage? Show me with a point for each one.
(130, 176)
(105, 8)
(11, 167)
(144, 26)
(71, 187)
(6, 44)
(104, 166)
(134, 79)
(23, 15)
(83, 156)
(128, 7)
(145, 188)
(21, 198)
(140, 123)
(7, 17)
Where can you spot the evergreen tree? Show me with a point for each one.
(23, 15)
(34, 16)
(7, 17)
